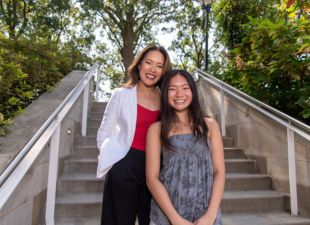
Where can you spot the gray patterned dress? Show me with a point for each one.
(187, 174)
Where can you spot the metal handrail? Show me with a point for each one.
(10, 168)
(275, 115)
(255, 101)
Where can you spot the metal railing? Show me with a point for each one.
(48, 133)
(292, 125)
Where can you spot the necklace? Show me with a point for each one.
(184, 124)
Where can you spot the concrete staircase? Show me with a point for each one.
(248, 198)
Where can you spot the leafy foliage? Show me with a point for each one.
(231, 15)
(270, 60)
(190, 26)
(40, 42)
(127, 25)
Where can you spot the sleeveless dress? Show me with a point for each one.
(187, 174)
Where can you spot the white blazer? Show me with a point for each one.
(117, 128)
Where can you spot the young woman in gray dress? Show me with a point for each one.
(185, 167)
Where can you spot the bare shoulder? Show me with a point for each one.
(154, 128)
(211, 122)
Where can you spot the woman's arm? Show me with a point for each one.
(217, 152)
(109, 119)
(159, 192)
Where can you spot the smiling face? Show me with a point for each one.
(151, 68)
(179, 93)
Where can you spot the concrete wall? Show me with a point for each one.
(262, 139)
(27, 204)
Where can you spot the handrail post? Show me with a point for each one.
(97, 83)
(85, 110)
(52, 177)
(223, 123)
(292, 171)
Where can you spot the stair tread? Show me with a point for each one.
(79, 176)
(232, 149)
(274, 218)
(252, 194)
(79, 221)
(78, 198)
(86, 160)
(90, 198)
(92, 176)
(75, 159)
(246, 175)
(240, 160)
(86, 147)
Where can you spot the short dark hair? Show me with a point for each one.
(168, 115)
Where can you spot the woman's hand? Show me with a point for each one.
(182, 221)
(204, 220)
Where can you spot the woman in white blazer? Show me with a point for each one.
(121, 139)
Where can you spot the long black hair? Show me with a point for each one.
(168, 116)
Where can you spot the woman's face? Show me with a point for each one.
(179, 93)
(151, 68)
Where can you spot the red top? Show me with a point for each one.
(145, 118)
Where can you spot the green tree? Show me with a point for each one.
(55, 19)
(271, 62)
(15, 16)
(191, 34)
(128, 24)
(231, 15)
(40, 42)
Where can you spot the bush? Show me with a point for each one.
(28, 69)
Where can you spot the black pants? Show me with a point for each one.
(125, 193)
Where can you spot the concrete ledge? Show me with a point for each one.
(263, 140)
(26, 124)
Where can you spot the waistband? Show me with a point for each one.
(135, 153)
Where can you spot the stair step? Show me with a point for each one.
(92, 131)
(96, 109)
(78, 205)
(85, 152)
(240, 166)
(247, 182)
(234, 153)
(93, 123)
(92, 151)
(82, 221)
(79, 221)
(80, 165)
(79, 183)
(87, 205)
(228, 142)
(85, 141)
(91, 140)
(89, 165)
(95, 116)
(275, 218)
(76, 182)
(280, 218)
(99, 104)
(254, 201)
(88, 183)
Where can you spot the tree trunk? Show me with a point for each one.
(128, 35)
